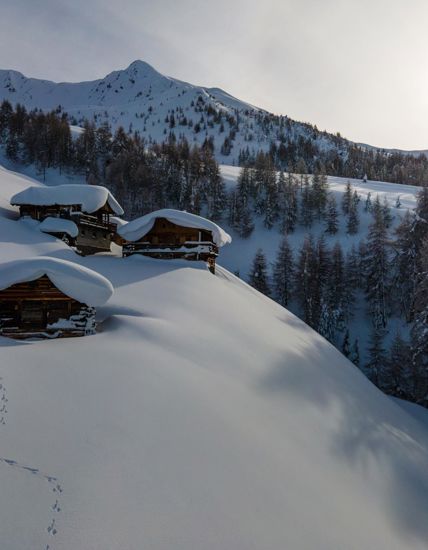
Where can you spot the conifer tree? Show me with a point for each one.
(305, 279)
(306, 203)
(386, 211)
(347, 198)
(258, 274)
(283, 272)
(377, 269)
(353, 219)
(401, 376)
(368, 203)
(376, 367)
(332, 222)
(419, 331)
(346, 345)
(355, 353)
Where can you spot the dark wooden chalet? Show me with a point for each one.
(171, 234)
(37, 308)
(88, 207)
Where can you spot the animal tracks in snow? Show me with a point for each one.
(3, 402)
(52, 481)
(55, 488)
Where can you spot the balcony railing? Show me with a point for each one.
(187, 248)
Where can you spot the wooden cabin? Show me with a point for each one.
(87, 209)
(168, 234)
(37, 308)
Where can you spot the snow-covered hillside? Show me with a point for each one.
(140, 98)
(202, 415)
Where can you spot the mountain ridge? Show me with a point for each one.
(142, 99)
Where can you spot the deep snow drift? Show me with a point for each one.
(136, 229)
(201, 416)
(90, 197)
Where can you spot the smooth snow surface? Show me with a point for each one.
(78, 282)
(202, 416)
(136, 229)
(90, 197)
(59, 225)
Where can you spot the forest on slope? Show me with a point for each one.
(386, 269)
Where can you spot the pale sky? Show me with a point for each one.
(353, 66)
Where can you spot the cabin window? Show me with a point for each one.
(155, 240)
(32, 313)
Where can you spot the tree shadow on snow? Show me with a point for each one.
(371, 426)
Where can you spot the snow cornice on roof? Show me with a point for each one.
(90, 197)
(77, 282)
(136, 229)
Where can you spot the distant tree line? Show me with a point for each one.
(44, 139)
(144, 176)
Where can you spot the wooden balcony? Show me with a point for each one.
(191, 250)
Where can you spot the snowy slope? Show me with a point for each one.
(202, 415)
(239, 256)
(269, 240)
(140, 98)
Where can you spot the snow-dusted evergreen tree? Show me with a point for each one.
(355, 353)
(377, 269)
(246, 223)
(305, 280)
(400, 381)
(398, 202)
(306, 213)
(347, 198)
(406, 266)
(346, 345)
(319, 193)
(258, 275)
(288, 202)
(245, 185)
(283, 273)
(332, 221)
(324, 316)
(368, 204)
(419, 331)
(376, 368)
(353, 218)
(386, 211)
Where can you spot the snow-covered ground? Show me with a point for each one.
(201, 416)
(269, 240)
(239, 256)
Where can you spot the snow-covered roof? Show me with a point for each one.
(136, 229)
(76, 281)
(90, 197)
(59, 225)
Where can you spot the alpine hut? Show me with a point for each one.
(80, 215)
(49, 298)
(171, 233)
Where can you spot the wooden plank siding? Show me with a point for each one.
(96, 232)
(168, 240)
(27, 309)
